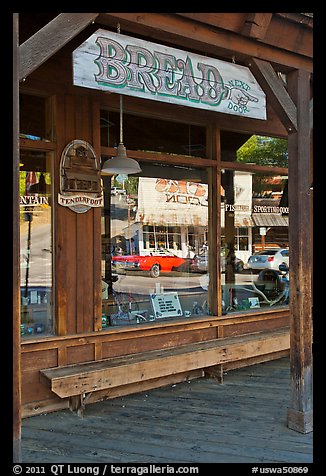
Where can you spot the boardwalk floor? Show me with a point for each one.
(200, 421)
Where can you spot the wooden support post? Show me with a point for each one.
(215, 372)
(16, 256)
(214, 238)
(300, 219)
(77, 404)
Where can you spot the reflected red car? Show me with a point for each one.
(157, 262)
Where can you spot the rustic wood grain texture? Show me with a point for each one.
(256, 25)
(267, 27)
(77, 261)
(196, 421)
(97, 239)
(276, 93)
(300, 245)
(109, 373)
(16, 356)
(196, 35)
(58, 350)
(214, 218)
(50, 39)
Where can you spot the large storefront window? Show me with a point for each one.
(35, 243)
(255, 255)
(153, 229)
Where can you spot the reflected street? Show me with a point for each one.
(189, 283)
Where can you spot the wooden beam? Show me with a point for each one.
(161, 157)
(300, 234)
(293, 30)
(195, 35)
(264, 169)
(50, 39)
(276, 93)
(256, 25)
(16, 257)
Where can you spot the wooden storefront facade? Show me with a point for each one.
(272, 46)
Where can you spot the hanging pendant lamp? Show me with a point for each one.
(120, 164)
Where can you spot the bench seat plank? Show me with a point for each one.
(79, 379)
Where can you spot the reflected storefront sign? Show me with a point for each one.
(176, 202)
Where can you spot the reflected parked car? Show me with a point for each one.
(156, 262)
(268, 259)
(199, 263)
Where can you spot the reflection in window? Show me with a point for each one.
(35, 118)
(141, 133)
(162, 237)
(262, 150)
(151, 242)
(255, 256)
(35, 243)
(242, 239)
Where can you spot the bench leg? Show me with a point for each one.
(215, 372)
(77, 405)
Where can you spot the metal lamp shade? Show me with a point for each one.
(120, 164)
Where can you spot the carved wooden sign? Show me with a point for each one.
(126, 65)
(80, 179)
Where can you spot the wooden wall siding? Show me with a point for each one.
(97, 237)
(76, 233)
(254, 326)
(64, 350)
(143, 344)
(31, 363)
(80, 353)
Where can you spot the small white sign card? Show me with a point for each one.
(254, 302)
(166, 305)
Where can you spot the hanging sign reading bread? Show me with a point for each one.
(113, 62)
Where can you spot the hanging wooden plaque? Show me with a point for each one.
(80, 179)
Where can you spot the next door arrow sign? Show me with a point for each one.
(126, 65)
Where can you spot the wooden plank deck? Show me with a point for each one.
(200, 421)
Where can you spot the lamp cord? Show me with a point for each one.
(121, 138)
(121, 133)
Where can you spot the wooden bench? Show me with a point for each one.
(79, 381)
